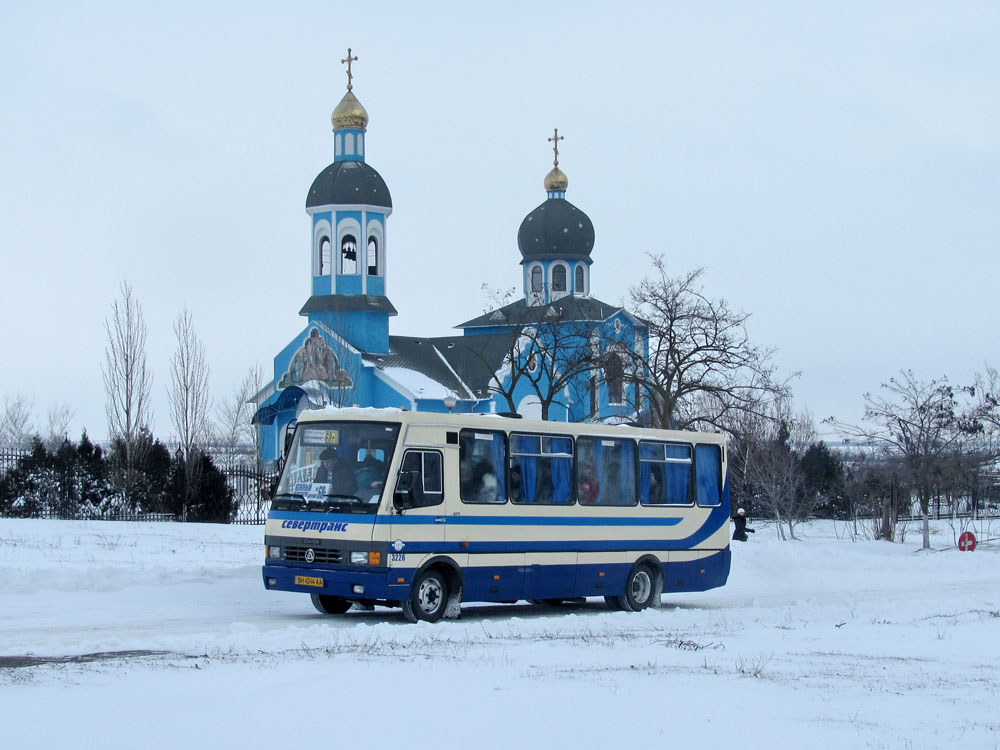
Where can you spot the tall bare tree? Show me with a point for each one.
(190, 401)
(15, 421)
(776, 468)
(702, 366)
(236, 433)
(127, 383)
(924, 423)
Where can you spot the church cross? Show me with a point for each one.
(554, 140)
(349, 60)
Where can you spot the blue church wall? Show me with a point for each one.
(266, 441)
(367, 331)
(384, 395)
(432, 405)
(350, 284)
(322, 285)
(487, 331)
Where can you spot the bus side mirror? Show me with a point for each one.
(409, 490)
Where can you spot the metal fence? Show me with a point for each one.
(10, 455)
(251, 494)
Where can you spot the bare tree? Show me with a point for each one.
(58, 419)
(236, 433)
(127, 383)
(922, 422)
(190, 401)
(553, 356)
(775, 470)
(548, 351)
(702, 365)
(15, 422)
(985, 415)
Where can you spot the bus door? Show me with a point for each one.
(418, 520)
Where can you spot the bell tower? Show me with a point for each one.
(349, 204)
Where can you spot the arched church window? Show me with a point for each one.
(559, 279)
(579, 281)
(536, 279)
(324, 256)
(374, 264)
(349, 255)
(614, 376)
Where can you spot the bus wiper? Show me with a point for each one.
(334, 495)
(348, 504)
(288, 501)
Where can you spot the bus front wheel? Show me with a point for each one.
(330, 605)
(428, 598)
(639, 589)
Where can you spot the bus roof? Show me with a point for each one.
(502, 422)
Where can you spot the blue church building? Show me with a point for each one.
(557, 352)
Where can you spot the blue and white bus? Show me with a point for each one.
(425, 511)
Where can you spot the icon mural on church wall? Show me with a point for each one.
(315, 360)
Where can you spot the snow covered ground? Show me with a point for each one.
(128, 635)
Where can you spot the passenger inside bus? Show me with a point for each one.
(590, 485)
(328, 461)
(484, 484)
(337, 472)
(515, 484)
(656, 496)
(371, 472)
(544, 487)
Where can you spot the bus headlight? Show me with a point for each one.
(359, 558)
(274, 553)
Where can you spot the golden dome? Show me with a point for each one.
(556, 180)
(349, 114)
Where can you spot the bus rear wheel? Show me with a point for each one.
(639, 589)
(428, 598)
(330, 605)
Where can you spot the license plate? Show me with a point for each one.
(308, 581)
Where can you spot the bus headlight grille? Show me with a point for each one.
(321, 555)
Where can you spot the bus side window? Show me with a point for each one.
(420, 482)
(541, 469)
(482, 460)
(606, 471)
(664, 473)
(708, 472)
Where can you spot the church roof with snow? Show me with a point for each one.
(566, 309)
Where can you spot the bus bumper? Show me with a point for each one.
(349, 583)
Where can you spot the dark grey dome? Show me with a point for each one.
(349, 182)
(556, 230)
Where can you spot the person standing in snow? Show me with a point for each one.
(740, 519)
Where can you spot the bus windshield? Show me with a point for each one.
(336, 467)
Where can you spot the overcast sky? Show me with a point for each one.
(835, 167)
